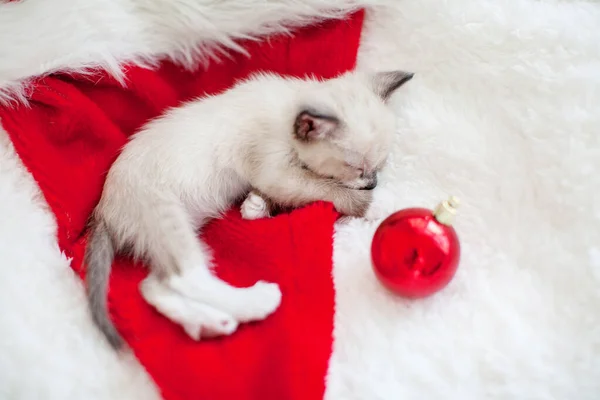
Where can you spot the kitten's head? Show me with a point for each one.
(345, 130)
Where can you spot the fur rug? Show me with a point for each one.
(502, 112)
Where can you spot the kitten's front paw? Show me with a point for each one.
(254, 207)
(354, 202)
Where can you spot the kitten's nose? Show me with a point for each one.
(372, 184)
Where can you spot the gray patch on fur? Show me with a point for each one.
(99, 255)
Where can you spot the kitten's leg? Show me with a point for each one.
(302, 188)
(199, 320)
(181, 262)
(255, 207)
(244, 304)
(351, 202)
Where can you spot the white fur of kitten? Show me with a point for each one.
(294, 141)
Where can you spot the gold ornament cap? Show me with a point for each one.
(445, 211)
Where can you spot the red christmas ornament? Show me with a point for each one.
(415, 252)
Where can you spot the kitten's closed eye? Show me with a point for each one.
(360, 170)
(307, 168)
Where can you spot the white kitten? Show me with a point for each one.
(293, 141)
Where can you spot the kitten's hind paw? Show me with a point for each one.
(254, 207)
(199, 320)
(261, 300)
(205, 322)
(203, 327)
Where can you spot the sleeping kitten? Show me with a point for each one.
(294, 141)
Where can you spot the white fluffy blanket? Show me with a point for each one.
(503, 112)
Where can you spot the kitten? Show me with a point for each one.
(294, 141)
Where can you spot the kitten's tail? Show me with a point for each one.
(99, 255)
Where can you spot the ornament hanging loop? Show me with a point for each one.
(445, 211)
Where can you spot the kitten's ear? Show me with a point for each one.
(312, 126)
(386, 83)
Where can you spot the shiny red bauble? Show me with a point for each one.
(415, 252)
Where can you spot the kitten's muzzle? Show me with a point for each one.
(371, 185)
(370, 182)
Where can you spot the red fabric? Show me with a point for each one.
(72, 133)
